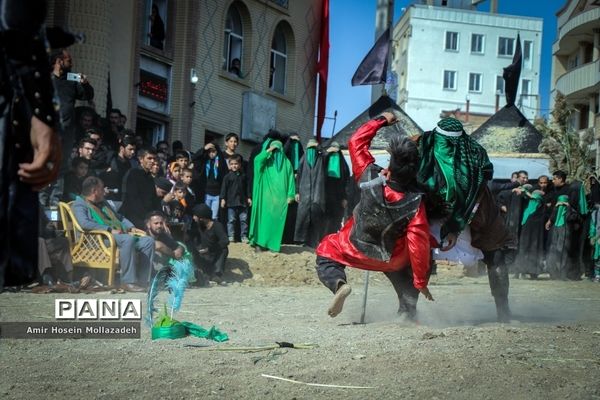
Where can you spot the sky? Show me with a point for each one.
(352, 31)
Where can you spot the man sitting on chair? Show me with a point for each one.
(92, 212)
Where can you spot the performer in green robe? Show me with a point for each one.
(272, 191)
(454, 170)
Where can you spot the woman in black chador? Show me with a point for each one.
(530, 259)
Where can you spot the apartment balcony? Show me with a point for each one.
(581, 81)
(571, 32)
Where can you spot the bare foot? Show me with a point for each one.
(338, 300)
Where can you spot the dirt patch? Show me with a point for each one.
(456, 351)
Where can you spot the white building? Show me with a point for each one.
(452, 58)
(576, 63)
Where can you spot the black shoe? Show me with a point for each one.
(47, 279)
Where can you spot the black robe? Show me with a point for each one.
(514, 206)
(336, 192)
(311, 208)
(530, 258)
(560, 249)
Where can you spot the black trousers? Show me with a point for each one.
(499, 281)
(333, 275)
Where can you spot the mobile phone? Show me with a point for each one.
(73, 77)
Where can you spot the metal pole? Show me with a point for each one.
(334, 120)
(364, 303)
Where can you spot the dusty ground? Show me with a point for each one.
(457, 351)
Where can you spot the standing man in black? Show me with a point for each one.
(30, 152)
(139, 192)
(68, 91)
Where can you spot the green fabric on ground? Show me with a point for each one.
(167, 328)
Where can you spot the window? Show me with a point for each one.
(156, 24)
(526, 92)
(477, 43)
(452, 41)
(499, 85)
(234, 42)
(527, 54)
(277, 72)
(474, 82)
(450, 80)
(506, 46)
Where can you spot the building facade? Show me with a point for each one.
(576, 62)
(196, 70)
(449, 60)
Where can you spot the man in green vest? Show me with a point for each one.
(93, 212)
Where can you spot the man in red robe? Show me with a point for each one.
(388, 231)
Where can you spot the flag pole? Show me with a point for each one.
(390, 23)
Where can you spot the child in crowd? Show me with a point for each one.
(74, 178)
(174, 172)
(234, 197)
(186, 177)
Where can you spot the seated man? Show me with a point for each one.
(93, 212)
(212, 242)
(167, 249)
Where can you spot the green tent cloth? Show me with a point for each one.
(273, 187)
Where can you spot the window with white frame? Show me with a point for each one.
(474, 82)
(451, 41)
(528, 54)
(526, 92)
(506, 46)
(277, 71)
(234, 42)
(499, 84)
(449, 80)
(477, 43)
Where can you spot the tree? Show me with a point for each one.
(569, 150)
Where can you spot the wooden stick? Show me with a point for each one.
(316, 384)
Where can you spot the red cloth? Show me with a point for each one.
(412, 249)
(323, 68)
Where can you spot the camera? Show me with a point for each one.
(73, 77)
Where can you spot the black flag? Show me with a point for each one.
(373, 68)
(109, 104)
(512, 74)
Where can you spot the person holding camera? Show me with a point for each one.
(69, 87)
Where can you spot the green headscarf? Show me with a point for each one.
(534, 203)
(454, 166)
(593, 235)
(277, 154)
(333, 165)
(311, 156)
(583, 206)
(561, 210)
(295, 154)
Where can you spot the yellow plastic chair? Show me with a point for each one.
(90, 249)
